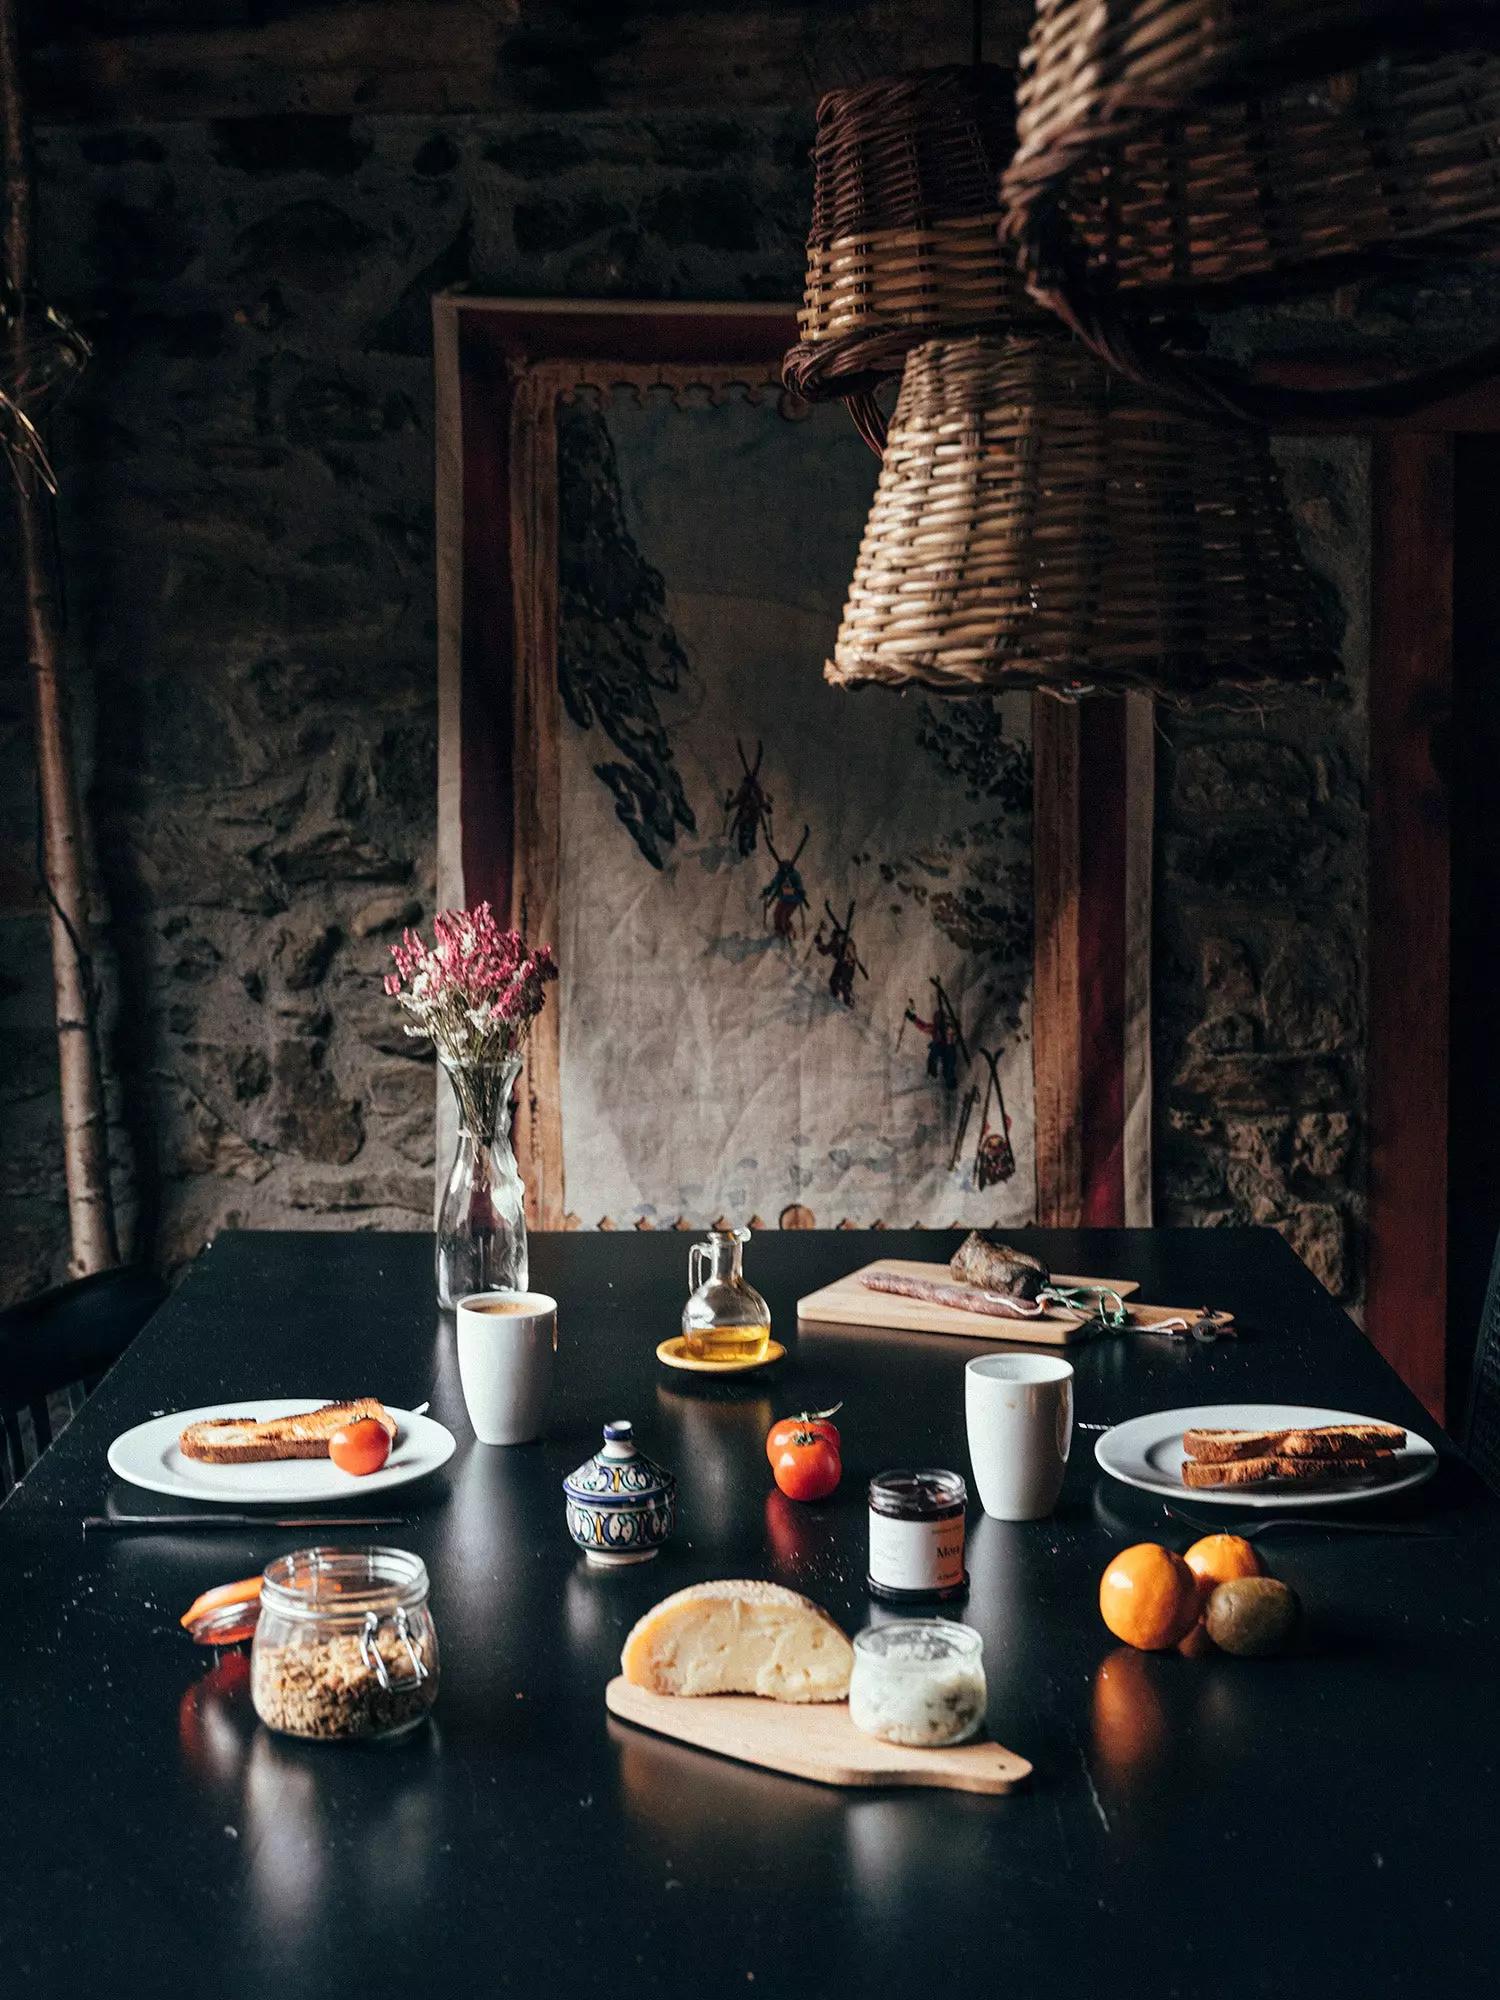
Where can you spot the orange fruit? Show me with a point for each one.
(1220, 1559)
(1149, 1597)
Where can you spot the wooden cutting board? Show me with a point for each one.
(849, 1303)
(812, 1739)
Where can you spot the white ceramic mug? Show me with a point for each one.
(1020, 1416)
(506, 1341)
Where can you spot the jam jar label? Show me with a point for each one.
(917, 1555)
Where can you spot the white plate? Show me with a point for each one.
(148, 1456)
(1147, 1452)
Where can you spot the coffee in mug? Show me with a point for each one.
(506, 1341)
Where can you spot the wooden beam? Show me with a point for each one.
(1056, 1049)
(1411, 658)
(536, 803)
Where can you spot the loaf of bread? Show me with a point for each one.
(253, 1441)
(739, 1638)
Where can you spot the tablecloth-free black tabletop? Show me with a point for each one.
(1324, 1825)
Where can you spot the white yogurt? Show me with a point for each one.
(918, 1683)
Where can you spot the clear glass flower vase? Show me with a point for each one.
(481, 1228)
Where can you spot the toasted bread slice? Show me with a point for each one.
(1219, 1447)
(1341, 1441)
(1229, 1471)
(1274, 1470)
(252, 1441)
(1320, 1441)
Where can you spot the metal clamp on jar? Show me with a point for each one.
(345, 1645)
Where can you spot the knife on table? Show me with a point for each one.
(111, 1522)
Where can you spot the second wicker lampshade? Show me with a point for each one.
(905, 237)
(1041, 523)
(1180, 154)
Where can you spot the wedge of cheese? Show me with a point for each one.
(739, 1638)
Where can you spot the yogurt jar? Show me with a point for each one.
(919, 1683)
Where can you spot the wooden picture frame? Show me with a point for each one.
(501, 366)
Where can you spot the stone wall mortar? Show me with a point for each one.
(249, 538)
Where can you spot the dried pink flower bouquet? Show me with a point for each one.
(474, 994)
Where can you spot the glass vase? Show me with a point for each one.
(481, 1229)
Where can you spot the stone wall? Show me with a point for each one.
(1260, 927)
(248, 530)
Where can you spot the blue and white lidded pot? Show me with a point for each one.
(621, 1507)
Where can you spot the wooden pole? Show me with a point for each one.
(85, 1150)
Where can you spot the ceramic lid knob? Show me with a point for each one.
(620, 1472)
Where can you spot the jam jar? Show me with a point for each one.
(345, 1645)
(917, 1537)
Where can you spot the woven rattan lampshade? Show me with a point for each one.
(1180, 154)
(905, 238)
(1041, 523)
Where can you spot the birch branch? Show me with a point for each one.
(85, 1148)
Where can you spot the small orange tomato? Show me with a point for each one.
(360, 1448)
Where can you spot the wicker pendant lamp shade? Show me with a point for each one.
(1175, 155)
(905, 238)
(1041, 523)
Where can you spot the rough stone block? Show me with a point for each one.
(1316, 1232)
(302, 956)
(311, 1118)
(1309, 994)
(1227, 975)
(400, 1090)
(345, 1194)
(385, 913)
(1244, 775)
(1322, 1144)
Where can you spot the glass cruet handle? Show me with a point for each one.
(696, 1252)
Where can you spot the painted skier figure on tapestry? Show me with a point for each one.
(785, 895)
(840, 947)
(945, 1038)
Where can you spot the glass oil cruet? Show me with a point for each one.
(725, 1319)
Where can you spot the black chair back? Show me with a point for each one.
(1482, 1431)
(64, 1340)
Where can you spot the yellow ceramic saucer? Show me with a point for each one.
(675, 1355)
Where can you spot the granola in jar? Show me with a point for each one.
(345, 1646)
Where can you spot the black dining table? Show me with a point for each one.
(1324, 1824)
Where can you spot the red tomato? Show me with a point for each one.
(360, 1448)
(808, 1466)
(815, 1421)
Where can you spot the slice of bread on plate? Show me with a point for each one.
(256, 1441)
(1318, 1441)
(1272, 1469)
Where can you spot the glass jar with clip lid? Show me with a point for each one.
(725, 1319)
(345, 1645)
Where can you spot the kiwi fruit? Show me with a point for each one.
(1253, 1616)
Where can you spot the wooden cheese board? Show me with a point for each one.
(812, 1739)
(851, 1303)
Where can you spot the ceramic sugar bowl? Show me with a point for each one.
(621, 1507)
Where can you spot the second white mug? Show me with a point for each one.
(1019, 1409)
(506, 1341)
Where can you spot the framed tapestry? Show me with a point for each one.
(825, 957)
